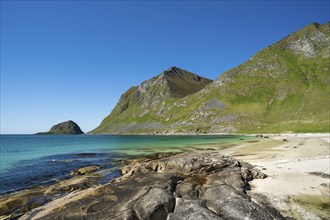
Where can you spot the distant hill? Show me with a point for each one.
(282, 88)
(67, 127)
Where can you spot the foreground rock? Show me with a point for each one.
(199, 185)
(67, 127)
(16, 204)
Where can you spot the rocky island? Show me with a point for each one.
(67, 127)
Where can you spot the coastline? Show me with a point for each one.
(301, 154)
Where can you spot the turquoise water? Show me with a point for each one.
(36, 159)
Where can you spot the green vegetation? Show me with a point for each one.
(283, 88)
(317, 205)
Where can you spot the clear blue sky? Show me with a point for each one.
(64, 60)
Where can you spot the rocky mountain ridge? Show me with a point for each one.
(282, 88)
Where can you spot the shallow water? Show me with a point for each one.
(32, 160)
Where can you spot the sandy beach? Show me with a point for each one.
(298, 169)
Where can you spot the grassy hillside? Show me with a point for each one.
(141, 108)
(282, 88)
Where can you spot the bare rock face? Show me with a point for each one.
(313, 42)
(199, 185)
(155, 204)
(191, 210)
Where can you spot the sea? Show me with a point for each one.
(28, 161)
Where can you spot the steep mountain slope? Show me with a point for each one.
(282, 88)
(141, 107)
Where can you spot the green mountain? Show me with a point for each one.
(141, 108)
(282, 88)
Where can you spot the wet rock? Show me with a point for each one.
(84, 170)
(18, 203)
(86, 154)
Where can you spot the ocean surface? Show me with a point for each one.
(32, 160)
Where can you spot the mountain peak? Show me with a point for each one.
(318, 25)
(312, 41)
(173, 70)
(173, 82)
(182, 82)
(314, 24)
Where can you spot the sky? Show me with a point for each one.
(71, 60)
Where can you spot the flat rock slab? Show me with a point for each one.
(198, 185)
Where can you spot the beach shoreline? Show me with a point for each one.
(296, 165)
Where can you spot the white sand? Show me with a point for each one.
(289, 165)
(292, 176)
